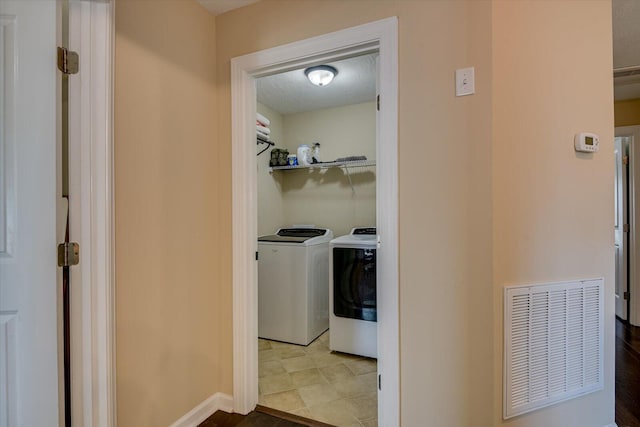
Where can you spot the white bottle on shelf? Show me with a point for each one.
(304, 155)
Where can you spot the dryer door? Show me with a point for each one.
(354, 283)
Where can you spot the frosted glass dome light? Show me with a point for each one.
(321, 75)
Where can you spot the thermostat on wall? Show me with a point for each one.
(586, 142)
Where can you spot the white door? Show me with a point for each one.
(621, 149)
(28, 265)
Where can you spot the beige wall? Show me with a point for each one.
(270, 200)
(627, 113)
(320, 197)
(460, 240)
(491, 191)
(324, 197)
(313, 196)
(172, 241)
(441, 187)
(547, 224)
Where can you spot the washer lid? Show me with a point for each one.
(294, 235)
(363, 231)
(360, 237)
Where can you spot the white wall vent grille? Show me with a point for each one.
(553, 343)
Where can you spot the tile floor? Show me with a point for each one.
(313, 382)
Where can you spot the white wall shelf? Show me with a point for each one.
(327, 165)
(347, 165)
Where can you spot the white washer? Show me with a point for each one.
(293, 272)
(352, 293)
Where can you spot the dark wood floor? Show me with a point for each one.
(627, 375)
(627, 391)
(261, 417)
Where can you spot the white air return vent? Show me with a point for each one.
(553, 343)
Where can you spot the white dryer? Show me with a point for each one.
(293, 272)
(352, 293)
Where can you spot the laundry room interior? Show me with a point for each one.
(316, 219)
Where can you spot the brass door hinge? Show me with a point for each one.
(68, 61)
(625, 160)
(625, 295)
(626, 228)
(68, 254)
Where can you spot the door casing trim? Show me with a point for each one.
(91, 174)
(634, 174)
(381, 36)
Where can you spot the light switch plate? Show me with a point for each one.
(465, 81)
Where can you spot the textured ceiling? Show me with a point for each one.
(626, 46)
(291, 92)
(626, 33)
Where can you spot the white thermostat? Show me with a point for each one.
(586, 142)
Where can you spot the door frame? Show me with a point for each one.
(633, 313)
(624, 199)
(381, 36)
(91, 34)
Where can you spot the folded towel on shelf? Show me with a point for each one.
(351, 159)
(263, 138)
(263, 129)
(262, 119)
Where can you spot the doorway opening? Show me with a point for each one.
(627, 153)
(627, 339)
(380, 37)
(623, 202)
(317, 326)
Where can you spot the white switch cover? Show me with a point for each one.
(465, 81)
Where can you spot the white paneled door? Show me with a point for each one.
(622, 228)
(28, 265)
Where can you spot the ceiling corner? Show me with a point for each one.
(218, 7)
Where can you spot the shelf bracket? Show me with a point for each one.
(353, 191)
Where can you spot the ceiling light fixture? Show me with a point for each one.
(321, 75)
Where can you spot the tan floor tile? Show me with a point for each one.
(336, 373)
(348, 357)
(352, 387)
(339, 413)
(289, 352)
(297, 363)
(270, 354)
(317, 347)
(370, 380)
(307, 377)
(364, 408)
(325, 337)
(278, 344)
(327, 359)
(302, 412)
(270, 367)
(263, 344)
(295, 379)
(316, 394)
(275, 383)
(364, 366)
(284, 401)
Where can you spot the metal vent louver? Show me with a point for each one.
(553, 344)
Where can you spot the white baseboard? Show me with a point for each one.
(218, 401)
(612, 425)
